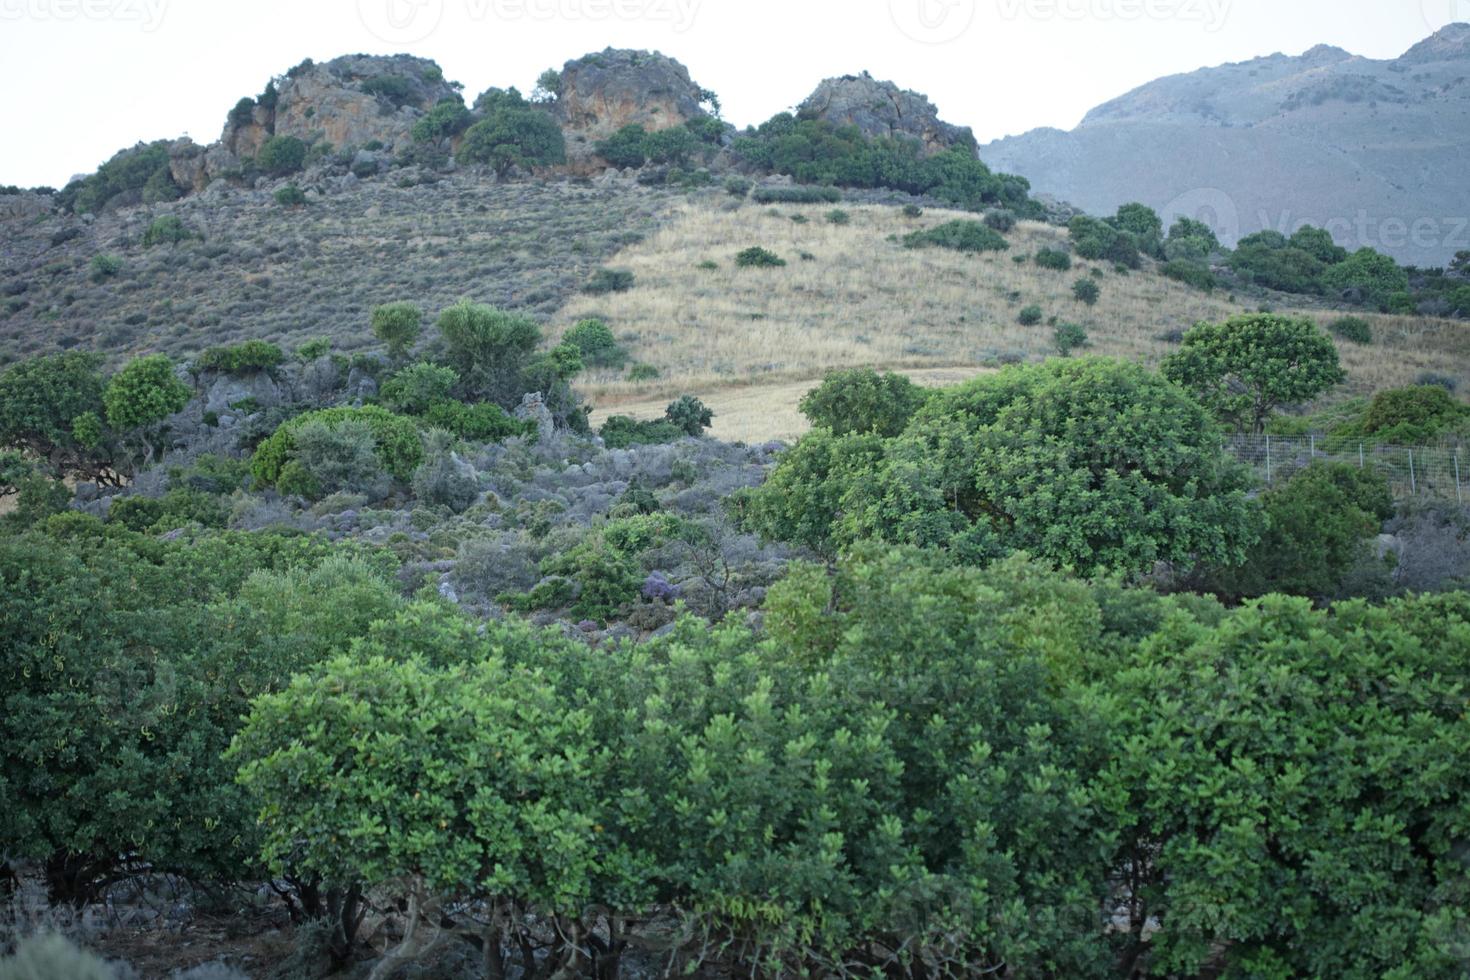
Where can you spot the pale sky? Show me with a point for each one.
(83, 78)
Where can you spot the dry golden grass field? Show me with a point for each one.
(752, 340)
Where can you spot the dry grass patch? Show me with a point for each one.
(862, 299)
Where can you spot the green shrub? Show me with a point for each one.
(51, 956)
(796, 195)
(757, 257)
(1267, 258)
(1367, 277)
(596, 343)
(1001, 221)
(1101, 241)
(1086, 290)
(863, 401)
(247, 357)
(737, 186)
(609, 281)
(1353, 328)
(512, 134)
(478, 422)
(290, 196)
(418, 387)
(336, 458)
(1029, 316)
(837, 216)
(166, 229)
(689, 415)
(1053, 258)
(627, 147)
(105, 267)
(912, 211)
(1195, 274)
(397, 326)
(1067, 337)
(622, 431)
(449, 117)
(280, 156)
(1316, 531)
(396, 442)
(137, 174)
(177, 508)
(394, 88)
(642, 372)
(963, 476)
(1413, 415)
(963, 235)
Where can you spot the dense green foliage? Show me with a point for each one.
(962, 235)
(397, 327)
(814, 151)
(1316, 531)
(756, 257)
(40, 401)
(863, 401)
(395, 441)
(1353, 328)
(1089, 463)
(596, 343)
(280, 156)
(686, 416)
(140, 174)
(166, 229)
(802, 194)
(246, 357)
(511, 133)
(1253, 364)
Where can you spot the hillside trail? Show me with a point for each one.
(763, 412)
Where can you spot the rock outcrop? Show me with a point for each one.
(878, 108)
(603, 92)
(348, 101)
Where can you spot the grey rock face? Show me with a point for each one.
(878, 108)
(533, 408)
(605, 91)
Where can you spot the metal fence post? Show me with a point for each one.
(1268, 459)
(1459, 494)
(1360, 455)
(1312, 445)
(1413, 484)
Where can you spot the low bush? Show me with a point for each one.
(1413, 415)
(395, 441)
(596, 343)
(290, 196)
(104, 267)
(166, 229)
(737, 187)
(690, 415)
(1067, 337)
(962, 235)
(1196, 274)
(1001, 221)
(838, 217)
(756, 257)
(622, 431)
(248, 357)
(796, 195)
(1029, 316)
(609, 281)
(1353, 328)
(1086, 291)
(1053, 258)
(280, 156)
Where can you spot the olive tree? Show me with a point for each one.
(140, 397)
(1253, 364)
(397, 326)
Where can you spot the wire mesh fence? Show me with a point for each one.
(1412, 471)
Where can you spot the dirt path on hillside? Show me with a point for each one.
(757, 413)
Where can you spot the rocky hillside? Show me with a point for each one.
(880, 108)
(1373, 150)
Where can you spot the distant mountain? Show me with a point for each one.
(1377, 151)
